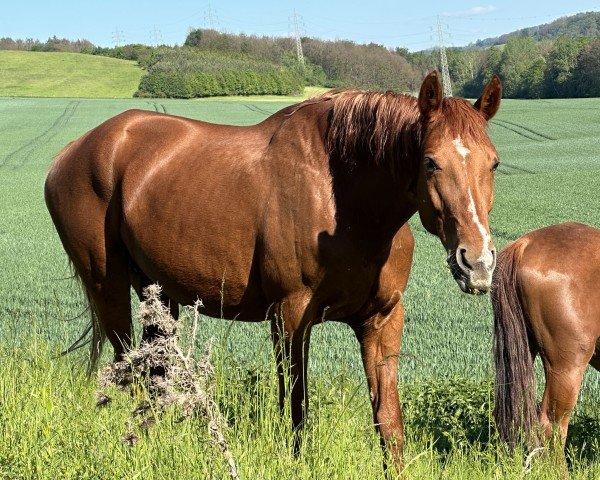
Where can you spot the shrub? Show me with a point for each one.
(453, 412)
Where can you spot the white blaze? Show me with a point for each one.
(460, 148)
(485, 253)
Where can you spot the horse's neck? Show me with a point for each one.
(375, 196)
(372, 201)
(372, 204)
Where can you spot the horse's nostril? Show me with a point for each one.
(463, 259)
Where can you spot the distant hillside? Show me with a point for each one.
(62, 74)
(339, 63)
(580, 25)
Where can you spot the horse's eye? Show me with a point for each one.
(430, 165)
(495, 167)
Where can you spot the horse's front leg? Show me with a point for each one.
(379, 339)
(291, 337)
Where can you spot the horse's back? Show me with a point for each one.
(565, 250)
(139, 153)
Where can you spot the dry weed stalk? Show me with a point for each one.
(184, 381)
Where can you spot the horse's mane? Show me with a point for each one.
(382, 126)
(461, 118)
(386, 127)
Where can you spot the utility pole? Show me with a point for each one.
(298, 40)
(444, 62)
(156, 36)
(117, 37)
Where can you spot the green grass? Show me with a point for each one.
(550, 165)
(62, 74)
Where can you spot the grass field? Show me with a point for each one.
(49, 428)
(63, 74)
(75, 75)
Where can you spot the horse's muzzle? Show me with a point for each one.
(474, 277)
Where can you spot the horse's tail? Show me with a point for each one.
(515, 409)
(94, 326)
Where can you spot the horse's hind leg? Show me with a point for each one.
(563, 382)
(104, 274)
(88, 224)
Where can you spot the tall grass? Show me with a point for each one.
(51, 428)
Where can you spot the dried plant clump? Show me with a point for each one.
(184, 381)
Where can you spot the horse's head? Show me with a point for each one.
(455, 188)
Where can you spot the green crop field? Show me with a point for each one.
(50, 428)
(63, 74)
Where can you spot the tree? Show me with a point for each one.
(194, 38)
(489, 64)
(533, 79)
(462, 65)
(586, 74)
(519, 55)
(561, 62)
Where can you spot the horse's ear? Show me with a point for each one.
(430, 96)
(489, 102)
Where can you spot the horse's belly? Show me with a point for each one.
(222, 287)
(206, 264)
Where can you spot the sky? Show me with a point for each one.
(411, 25)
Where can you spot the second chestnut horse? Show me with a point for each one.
(546, 303)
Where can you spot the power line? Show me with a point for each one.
(444, 61)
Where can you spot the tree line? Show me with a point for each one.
(579, 25)
(562, 68)
(216, 63)
(53, 44)
(339, 63)
(189, 73)
(549, 68)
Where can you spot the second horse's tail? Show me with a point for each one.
(515, 409)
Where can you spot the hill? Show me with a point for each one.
(63, 74)
(580, 25)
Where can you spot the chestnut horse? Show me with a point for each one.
(303, 215)
(545, 302)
